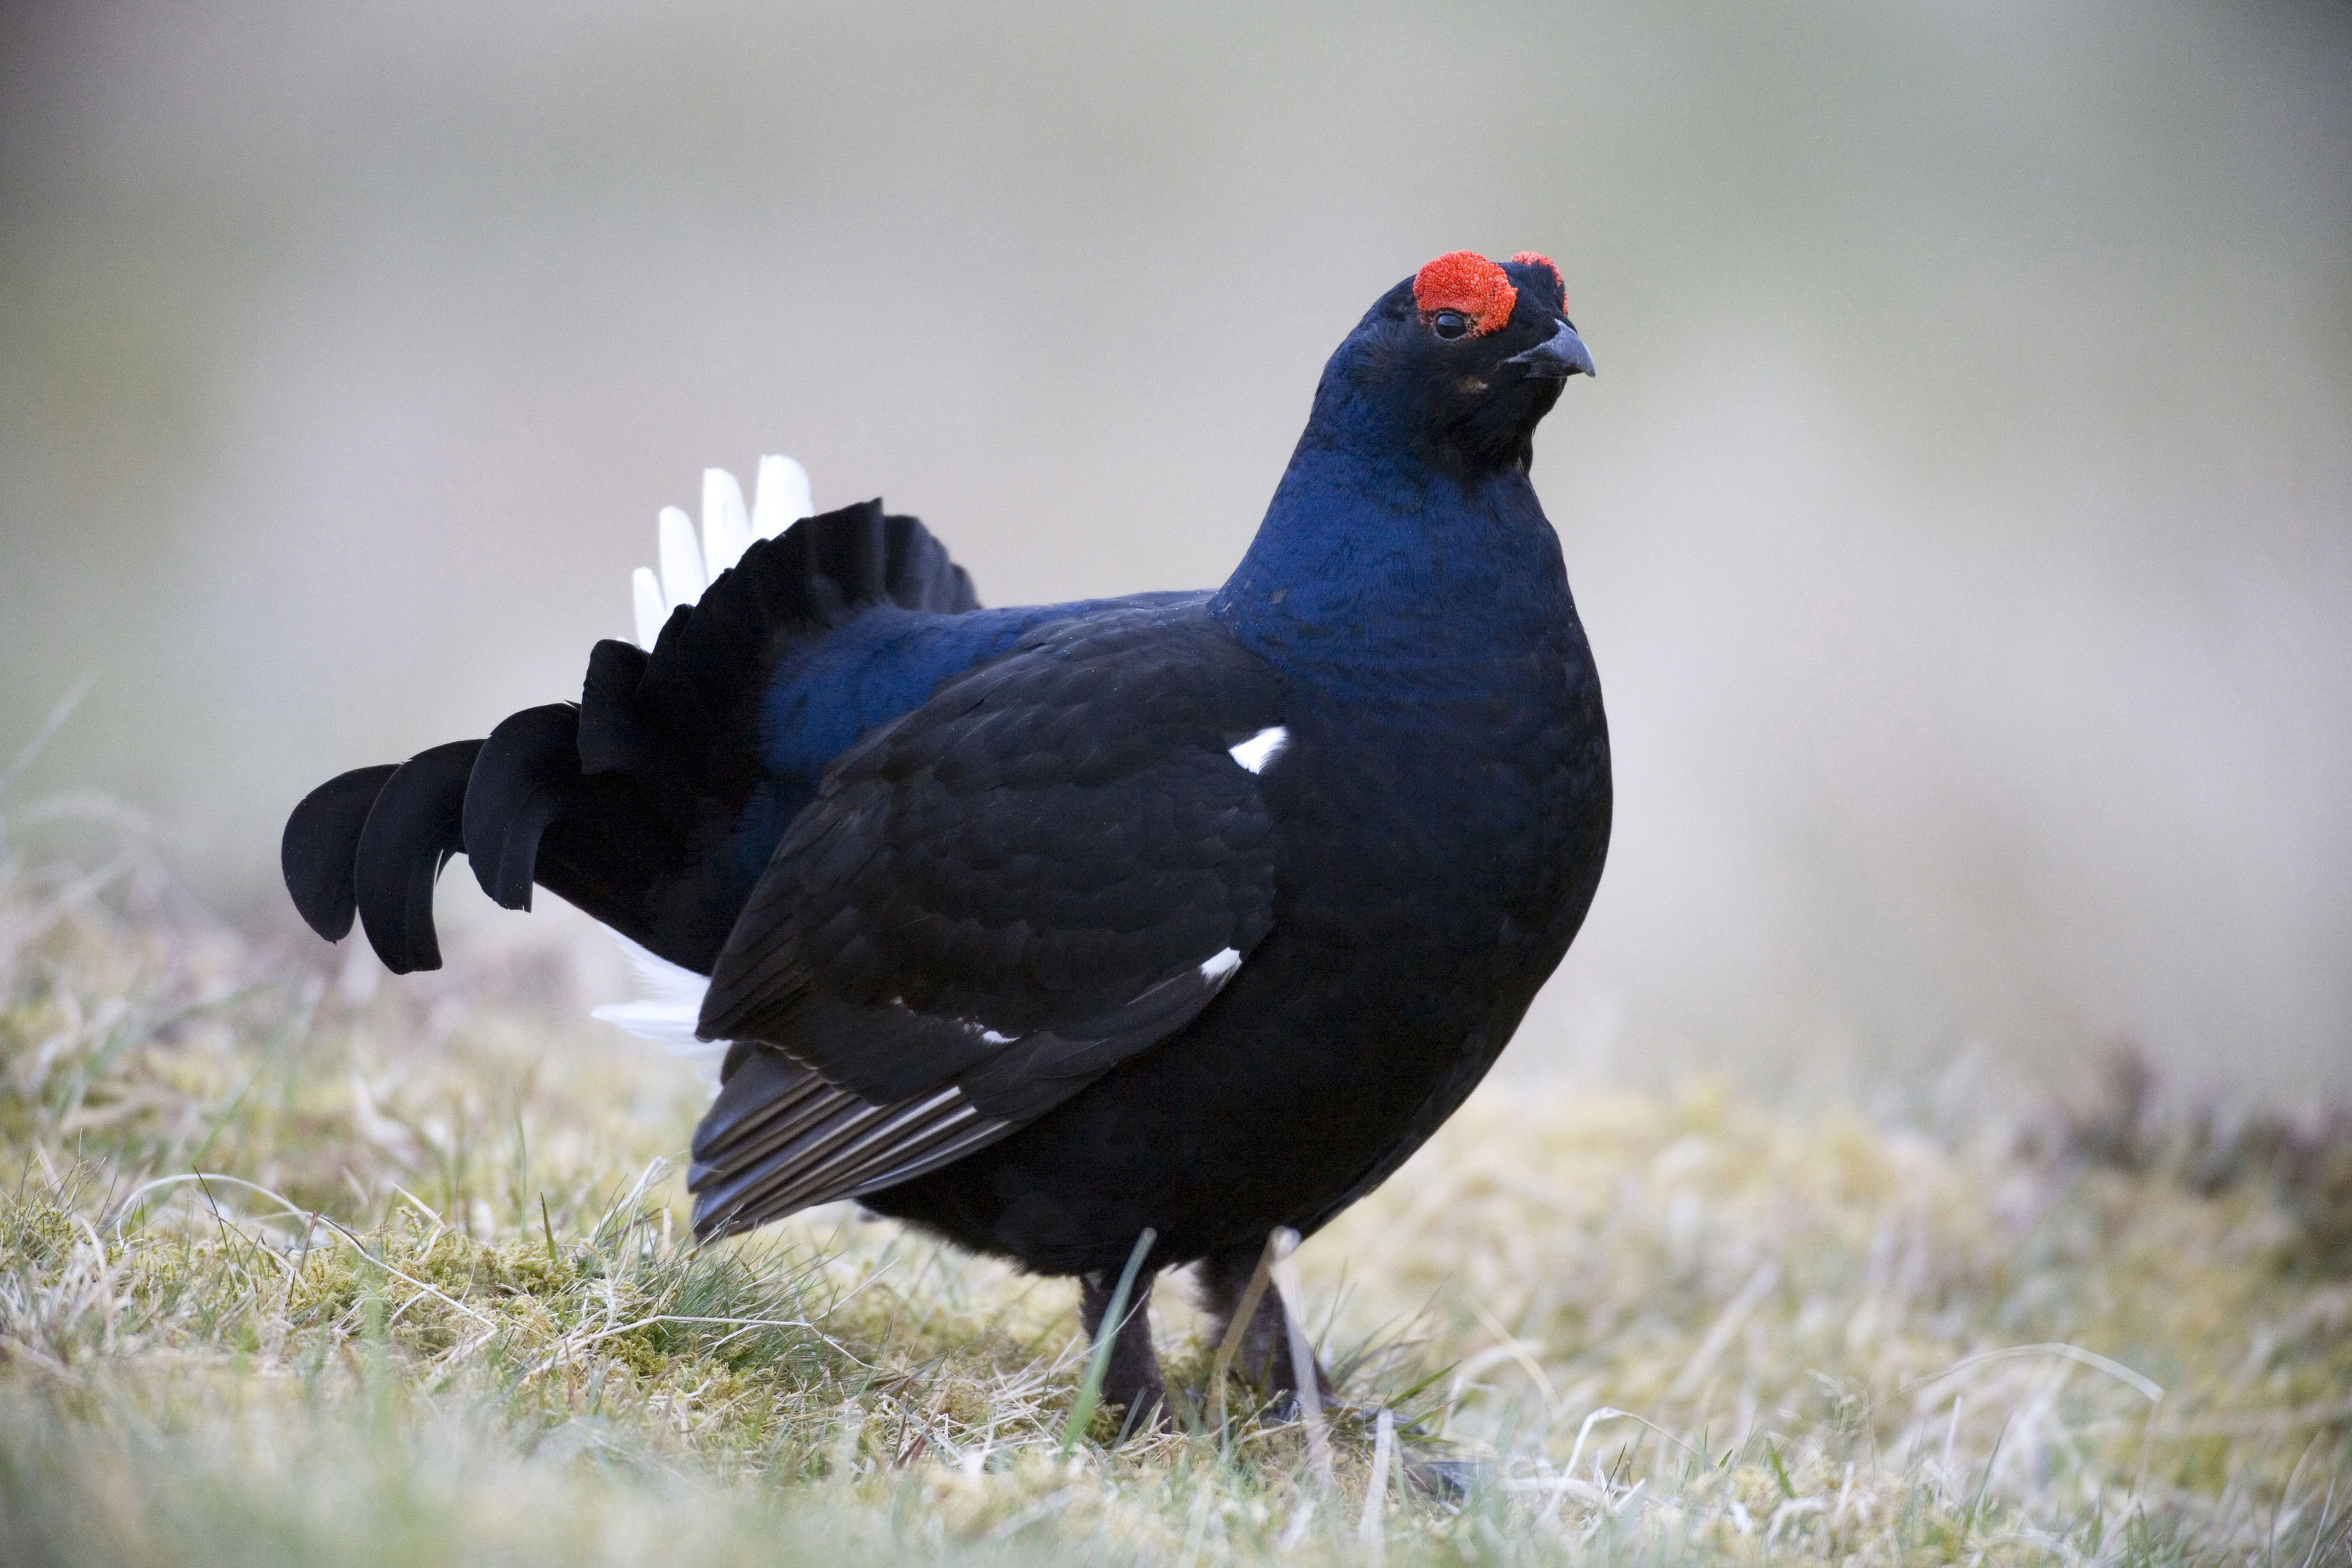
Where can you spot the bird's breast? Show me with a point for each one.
(1438, 823)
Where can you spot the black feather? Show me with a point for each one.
(322, 837)
(521, 782)
(416, 825)
(921, 576)
(850, 553)
(610, 738)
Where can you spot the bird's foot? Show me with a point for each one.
(1251, 1325)
(1132, 1379)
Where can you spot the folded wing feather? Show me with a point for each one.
(1052, 865)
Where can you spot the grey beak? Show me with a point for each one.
(1560, 356)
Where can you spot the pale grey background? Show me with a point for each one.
(1963, 514)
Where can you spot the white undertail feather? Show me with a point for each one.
(668, 1010)
(672, 1003)
(645, 591)
(783, 497)
(726, 526)
(681, 559)
(687, 565)
(1221, 968)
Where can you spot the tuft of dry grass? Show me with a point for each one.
(300, 1270)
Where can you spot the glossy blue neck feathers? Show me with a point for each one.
(1382, 562)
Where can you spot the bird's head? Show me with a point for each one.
(1457, 363)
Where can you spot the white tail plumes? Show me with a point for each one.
(726, 526)
(682, 560)
(644, 591)
(783, 496)
(689, 566)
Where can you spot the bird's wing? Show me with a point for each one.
(1057, 862)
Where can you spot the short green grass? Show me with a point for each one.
(291, 1274)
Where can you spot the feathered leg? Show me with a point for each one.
(1263, 1359)
(1132, 1379)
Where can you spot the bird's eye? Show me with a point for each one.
(1449, 324)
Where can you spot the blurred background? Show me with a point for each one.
(1962, 515)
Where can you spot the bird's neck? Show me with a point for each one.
(1377, 571)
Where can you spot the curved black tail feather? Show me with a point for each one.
(519, 785)
(624, 804)
(322, 841)
(411, 832)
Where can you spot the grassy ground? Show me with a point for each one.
(432, 1303)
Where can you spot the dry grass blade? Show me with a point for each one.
(1376, 1482)
(1229, 1345)
(1285, 1244)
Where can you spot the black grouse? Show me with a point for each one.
(1038, 928)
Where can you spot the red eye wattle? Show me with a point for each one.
(1467, 281)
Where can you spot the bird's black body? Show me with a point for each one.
(1427, 876)
(1189, 912)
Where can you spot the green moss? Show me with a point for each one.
(33, 1234)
